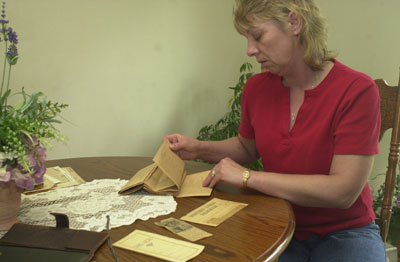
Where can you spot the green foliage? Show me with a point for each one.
(30, 119)
(395, 218)
(377, 204)
(228, 125)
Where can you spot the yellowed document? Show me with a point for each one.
(136, 182)
(159, 182)
(167, 175)
(193, 185)
(159, 246)
(214, 212)
(170, 163)
(183, 229)
(66, 175)
(57, 177)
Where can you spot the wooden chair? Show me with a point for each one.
(390, 114)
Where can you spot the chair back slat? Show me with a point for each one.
(390, 118)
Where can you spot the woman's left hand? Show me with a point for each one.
(227, 171)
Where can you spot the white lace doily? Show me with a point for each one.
(87, 205)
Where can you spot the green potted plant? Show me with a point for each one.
(394, 227)
(228, 125)
(26, 129)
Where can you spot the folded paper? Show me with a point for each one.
(167, 175)
(57, 177)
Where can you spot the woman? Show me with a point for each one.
(315, 124)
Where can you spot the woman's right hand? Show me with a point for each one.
(185, 147)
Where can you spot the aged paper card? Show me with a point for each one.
(159, 246)
(193, 185)
(214, 212)
(170, 163)
(57, 177)
(183, 229)
(65, 175)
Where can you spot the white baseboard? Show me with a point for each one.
(391, 253)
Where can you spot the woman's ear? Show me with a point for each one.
(294, 24)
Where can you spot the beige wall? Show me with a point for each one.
(133, 71)
(366, 33)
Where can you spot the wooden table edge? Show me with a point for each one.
(273, 252)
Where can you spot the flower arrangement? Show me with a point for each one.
(25, 128)
(377, 205)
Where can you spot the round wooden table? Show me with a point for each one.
(259, 232)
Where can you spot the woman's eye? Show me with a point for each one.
(257, 37)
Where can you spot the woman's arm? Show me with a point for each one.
(240, 149)
(339, 189)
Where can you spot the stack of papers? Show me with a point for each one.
(57, 177)
(167, 175)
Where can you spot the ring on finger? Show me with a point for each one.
(213, 173)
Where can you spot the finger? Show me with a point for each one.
(168, 138)
(181, 155)
(175, 143)
(213, 179)
(209, 178)
(175, 146)
(213, 182)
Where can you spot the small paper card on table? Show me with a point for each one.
(159, 246)
(214, 212)
(63, 176)
(183, 229)
(192, 185)
(57, 177)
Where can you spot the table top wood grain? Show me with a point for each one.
(259, 232)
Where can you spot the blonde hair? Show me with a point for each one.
(313, 36)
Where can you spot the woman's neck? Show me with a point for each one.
(304, 78)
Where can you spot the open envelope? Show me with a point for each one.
(167, 175)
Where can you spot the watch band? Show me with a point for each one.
(246, 176)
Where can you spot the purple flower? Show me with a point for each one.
(9, 35)
(23, 177)
(39, 173)
(37, 158)
(3, 13)
(12, 51)
(398, 201)
(12, 36)
(37, 164)
(5, 175)
(21, 180)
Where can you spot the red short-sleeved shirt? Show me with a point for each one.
(339, 116)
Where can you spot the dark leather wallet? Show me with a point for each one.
(42, 243)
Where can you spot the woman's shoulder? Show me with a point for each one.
(352, 84)
(344, 71)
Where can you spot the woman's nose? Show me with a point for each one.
(251, 48)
